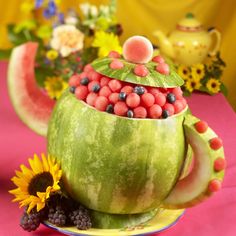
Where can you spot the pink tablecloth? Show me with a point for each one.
(214, 217)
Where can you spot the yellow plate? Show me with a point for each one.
(162, 221)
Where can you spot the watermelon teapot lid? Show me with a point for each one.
(137, 65)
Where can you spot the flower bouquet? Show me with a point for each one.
(204, 77)
(66, 41)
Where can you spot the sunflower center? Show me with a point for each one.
(57, 86)
(39, 183)
(199, 71)
(185, 72)
(213, 85)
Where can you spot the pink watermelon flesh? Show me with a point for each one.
(32, 104)
(137, 49)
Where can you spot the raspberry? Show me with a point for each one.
(30, 222)
(147, 99)
(81, 92)
(101, 103)
(57, 216)
(116, 64)
(80, 218)
(141, 70)
(120, 109)
(140, 112)
(133, 100)
(163, 68)
(115, 85)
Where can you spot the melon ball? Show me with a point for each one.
(138, 49)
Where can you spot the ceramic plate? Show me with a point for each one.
(162, 221)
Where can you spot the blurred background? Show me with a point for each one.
(145, 16)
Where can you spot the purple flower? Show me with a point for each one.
(50, 10)
(38, 3)
(61, 18)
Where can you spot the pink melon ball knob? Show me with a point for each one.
(138, 49)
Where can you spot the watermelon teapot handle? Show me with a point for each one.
(208, 169)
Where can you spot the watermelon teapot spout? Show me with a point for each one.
(189, 43)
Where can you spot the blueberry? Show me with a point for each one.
(165, 114)
(171, 98)
(130, 113)
(110, 108)
(84, 81)
(96, 88)
(122, 96)
(72, 89)
(139, 90)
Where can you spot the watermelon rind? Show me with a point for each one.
(154, 78)
(115, 164)
(193, 189)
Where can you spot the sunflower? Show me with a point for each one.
(55, 86)
(183, 71)
(198, 71)
(52, 54)
(106, 42)
(35, 185)
(213, 85)
(192, 84)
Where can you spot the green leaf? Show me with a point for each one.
(224, 89)
(42, 73)
(5, 54)
(126, 73)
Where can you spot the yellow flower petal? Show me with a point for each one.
(23, 192)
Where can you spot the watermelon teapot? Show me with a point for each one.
(121, 134)
(189, 43)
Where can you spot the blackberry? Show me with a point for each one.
(139, 90)
(31, 221)
(110, 108)
(80, 218)
(72, 89)
(122, 96)
(96, 88)
(130, 113)
(57, 216)
(84, 81)
(165, 114)
(171, 98)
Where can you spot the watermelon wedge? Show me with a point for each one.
(31, 104)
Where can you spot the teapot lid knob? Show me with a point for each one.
(189, 15)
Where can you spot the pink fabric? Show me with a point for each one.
(213, 217)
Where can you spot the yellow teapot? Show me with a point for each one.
(189, 43)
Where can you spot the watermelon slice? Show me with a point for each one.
(205, 177)
(31, 104)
